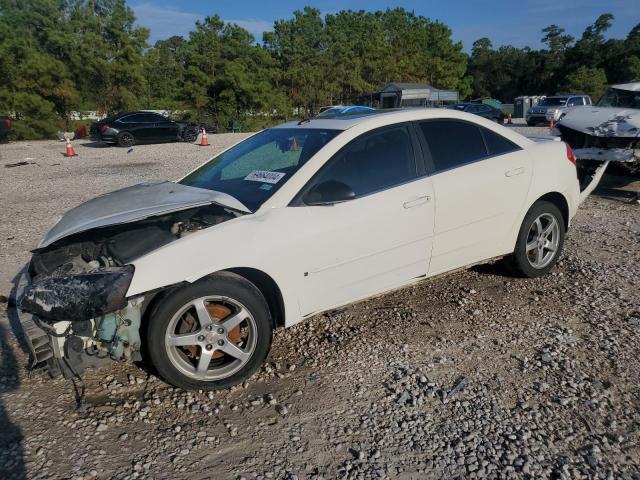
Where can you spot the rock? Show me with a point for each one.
(458, 386)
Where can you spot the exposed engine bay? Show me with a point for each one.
(77, 289)
(608, 131)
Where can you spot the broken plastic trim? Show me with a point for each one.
(78, 297)
(607, 154)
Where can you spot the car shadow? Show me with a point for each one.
(497, 269)
(621, 188)
(95, 144)
(12, 464)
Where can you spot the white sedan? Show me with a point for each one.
(295, 220)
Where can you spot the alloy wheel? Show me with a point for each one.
(211, 338)
(542, 241)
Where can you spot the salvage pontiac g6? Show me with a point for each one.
(295, 220)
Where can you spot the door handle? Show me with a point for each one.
(414, 202)
(514, 172)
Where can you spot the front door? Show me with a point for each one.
(377, 241)
(164, 130)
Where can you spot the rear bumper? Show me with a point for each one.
(108, 138)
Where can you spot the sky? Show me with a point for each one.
(505, 22)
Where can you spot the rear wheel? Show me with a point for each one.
(211, 334)
(540, 240)
(126, 139)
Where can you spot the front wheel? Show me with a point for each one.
(190, 134)
(211, 334)
(540, 240)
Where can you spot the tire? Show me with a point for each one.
(126, 139)
(176, 338)
(190, 134)
(537, 261)
(530, 123)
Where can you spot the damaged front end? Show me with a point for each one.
(608, 132)
(73, 298)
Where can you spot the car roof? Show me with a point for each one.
(391, 116)
(631, 86)
(569, 95)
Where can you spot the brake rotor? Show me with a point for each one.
(219, 313)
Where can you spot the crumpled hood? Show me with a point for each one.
(135, 203)
(603, 121)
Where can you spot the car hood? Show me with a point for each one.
(603, 121)
(135, 203)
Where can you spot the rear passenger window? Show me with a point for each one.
(497, 144)
(154, 118)
(372, 163)
(135, 118)
(453, 143)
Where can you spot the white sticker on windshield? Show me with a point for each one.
(265, 176)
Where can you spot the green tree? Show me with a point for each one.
(631, 69)
(62, 55)
(592, 81)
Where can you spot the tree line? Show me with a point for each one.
(63, 56)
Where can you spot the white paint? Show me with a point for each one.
(325, 256)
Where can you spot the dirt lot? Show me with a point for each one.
(472, 375)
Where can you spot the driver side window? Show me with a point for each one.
(374, 162)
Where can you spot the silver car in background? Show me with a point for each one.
(550, 108)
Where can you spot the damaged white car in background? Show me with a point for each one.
(298, 219)
(608, 131)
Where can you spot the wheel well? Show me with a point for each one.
(269, 289)
(559, 201)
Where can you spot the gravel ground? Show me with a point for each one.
(471, 375)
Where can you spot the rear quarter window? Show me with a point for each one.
(497, 144)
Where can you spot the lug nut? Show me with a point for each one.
(200, 338)
(209, 327)
(220, 342)
(221, 330)
(209, 347)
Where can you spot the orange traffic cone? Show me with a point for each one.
(551, 124)
(204, 142)
(70, 152)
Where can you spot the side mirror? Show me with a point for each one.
(328, 193)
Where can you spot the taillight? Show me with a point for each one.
(104, 126)
(7, 122)
(570, 155)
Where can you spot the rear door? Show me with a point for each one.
(139, 125)
(480, 182)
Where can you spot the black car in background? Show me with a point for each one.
(484, 110)
(5, 127)
(127, 129)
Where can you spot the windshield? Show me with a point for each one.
(619, 98)
(553, 102)
(254, 169)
